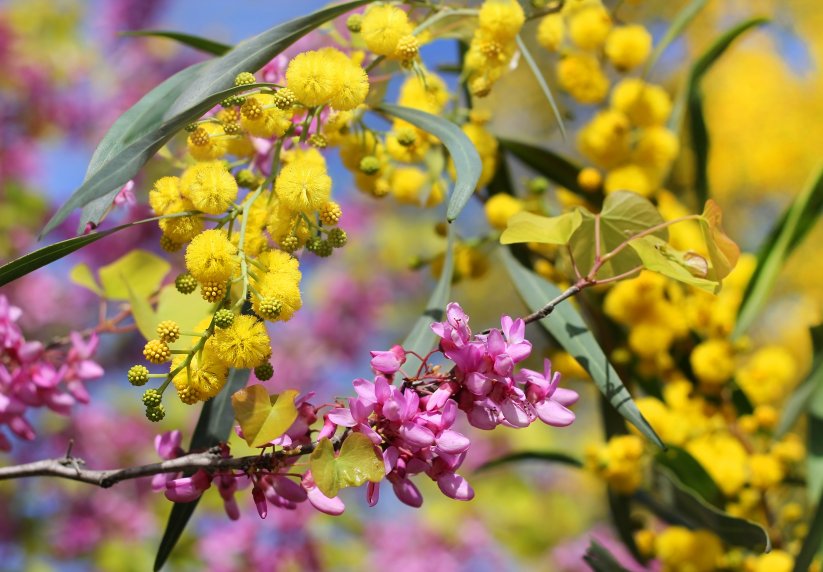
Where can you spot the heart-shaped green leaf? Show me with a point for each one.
(139, 270)
(357, 462)
(529, 227)
(659, 256)
(723, 252)
(261, 420)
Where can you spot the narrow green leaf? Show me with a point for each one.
(679, 23)
(694, 102)
(207, 84)
(253, 53)
(798, 401)
(600, 560)
(568, 327)
(814, 431)
(538, 75)
(545, 456)
(467, 162)
(421, 338)
(783, 239)
(213, 427)
(203, 44)
(812, 542)
(547, 163)
(690, 506)
(140, 117)
(691, 473)
(48, 254)
(529, 227)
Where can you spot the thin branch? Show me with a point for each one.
(549, 308)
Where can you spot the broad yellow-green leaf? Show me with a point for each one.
(356, 463)
(723, 252)
(658, 256)
(142, 313)
(188, 310)
(142, 270)
(83, 276)
(261, 420)
(624, 215)
(529, 227)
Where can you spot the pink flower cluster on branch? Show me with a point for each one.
(32, 375)
(410, 419)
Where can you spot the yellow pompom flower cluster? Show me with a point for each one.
(619, 462)
(209, 186)
(384, 28)
(203, 378)
(327, 77)
(682, 550)
(211, 257)
(303, 184)
(493, 43)
(244, 344)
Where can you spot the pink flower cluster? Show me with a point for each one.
(34, 376)
(411, 423)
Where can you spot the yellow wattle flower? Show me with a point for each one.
(206, 374)
(211, 257)
(382, 27)
(209, 186)
(164, 195)
(282, 286)
(244, 344)
(303, 186)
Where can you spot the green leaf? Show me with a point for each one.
(48, 254)
(203, 44)
(814, 431)
(82, 275)
(529, 227)
(467, 162)
(546, 456)
(624, 215)
(697, 513)
(210, 83)
(261, 419)
(139, 270)
(144, 115)
(538, 75)
(679, 23)
(812, 542)
(798, 401)
(786, 235)
(547, 163)
(691, 473)
(143, 314)
(694, 101)
(421, 339)
(357, 462)
(600, 560)
(568, 327)
(723, 252)
(659, 256)
(213, 427)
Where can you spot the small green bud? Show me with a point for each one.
(138, 375)
(152, 398)
(370, 164)
(191, 128)
(313, 244)
(538, 185)
(185, 283)
(264, 371)
(247, 179)
(244, 78)
(155, 414)
(223, 318)
(231, 128)
(354, 23)
(323, 249)
(168, 244)
(338, 237)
